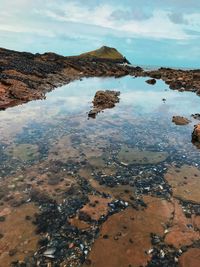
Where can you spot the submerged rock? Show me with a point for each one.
(19, 236)
(178, 120)
(134, 156)
(185, 183)
(25, 152)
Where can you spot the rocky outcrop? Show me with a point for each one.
(26, 76)
(182, 80)
(103, 100)
(108, 53)
(196, 116)
(178, 120)
(196, 134)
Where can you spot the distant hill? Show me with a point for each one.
(105, 52)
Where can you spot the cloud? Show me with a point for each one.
(178, 18)
(130, 14)
(134, 23)
(61, 17)
(140, 31)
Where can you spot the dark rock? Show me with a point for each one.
(196, 134)
(151, 81)
(196, 116)
(12, 252)
(2, 218)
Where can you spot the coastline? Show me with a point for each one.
(25, 76)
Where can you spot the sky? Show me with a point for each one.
(157, 32)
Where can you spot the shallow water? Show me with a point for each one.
(47, 144)
(142, 119)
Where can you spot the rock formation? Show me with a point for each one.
(103, 100)
(178, 120)
(26, 76)
(196, 134)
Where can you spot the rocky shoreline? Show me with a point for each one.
(25, 76)
(75, 198)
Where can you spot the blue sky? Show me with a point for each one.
(163, 33)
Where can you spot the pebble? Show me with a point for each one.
(49, 253)
(150, 251)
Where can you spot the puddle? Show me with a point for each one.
(75, 171)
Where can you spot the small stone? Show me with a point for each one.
(71, 245)
(12, 252)
(151, 81)
(150, 251)
(49, 253)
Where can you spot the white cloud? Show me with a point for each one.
(25, 29)
(156, 26)
(50, 18)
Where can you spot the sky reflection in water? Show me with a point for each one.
(141, 111)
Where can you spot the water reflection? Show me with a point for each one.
(140, 106)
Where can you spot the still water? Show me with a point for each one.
(48, 145)
(142, 119)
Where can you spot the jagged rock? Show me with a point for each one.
(196, 134)
(103, 100)
(25, 76)
(196, 116)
